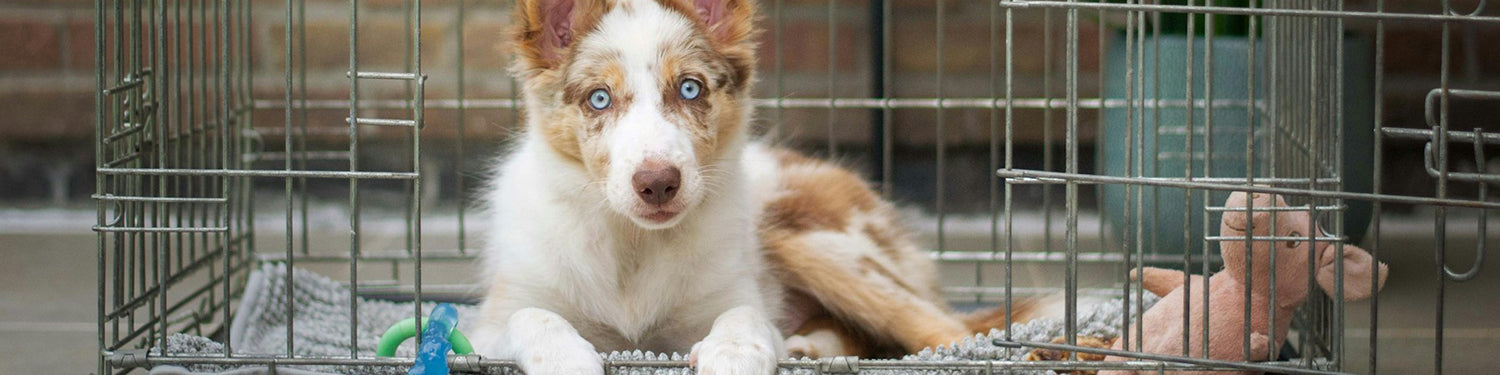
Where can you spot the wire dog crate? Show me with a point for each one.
(1184, 102)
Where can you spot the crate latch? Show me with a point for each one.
(839, 365)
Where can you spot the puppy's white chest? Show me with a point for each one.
(652, 306)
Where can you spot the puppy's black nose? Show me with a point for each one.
(656, 182)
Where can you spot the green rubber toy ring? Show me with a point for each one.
(407, 328)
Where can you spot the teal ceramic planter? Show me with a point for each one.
(1154, 142)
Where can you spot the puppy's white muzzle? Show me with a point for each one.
(653, 177)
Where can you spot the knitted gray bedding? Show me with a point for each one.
(321, 329)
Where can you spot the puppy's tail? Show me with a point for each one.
(1022, 309)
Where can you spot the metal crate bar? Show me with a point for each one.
(386, 75)
(377, 255)
(130, 82)
(1276, 208)
(1283, 181)
(160, 229)
(1059, 177)
(300, 156)
(115, 198)
(1309, 13)
(1329, 239)
(383, 122)
(259, 173)
(1040, 255)
(1453, 135)
(129, 130)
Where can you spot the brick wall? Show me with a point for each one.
(47, 65)
(46, 99)
(46, 80)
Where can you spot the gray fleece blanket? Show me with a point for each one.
(321, 328)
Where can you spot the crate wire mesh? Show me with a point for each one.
(172, 225)
(178, 158)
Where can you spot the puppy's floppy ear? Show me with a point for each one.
(546, 29)
(728, 21)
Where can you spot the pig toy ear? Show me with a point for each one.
(1359, 269)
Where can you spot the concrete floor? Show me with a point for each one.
(48, 297)
(48, 294)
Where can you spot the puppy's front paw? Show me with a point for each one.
(720, 355)
(562, 361)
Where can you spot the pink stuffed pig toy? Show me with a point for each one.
(1163, 324)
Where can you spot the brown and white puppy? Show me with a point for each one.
(636, 213)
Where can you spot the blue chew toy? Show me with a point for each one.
(432, 355)
(432, 350)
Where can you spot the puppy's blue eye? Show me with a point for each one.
(690, 89)
(599, 99)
